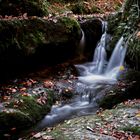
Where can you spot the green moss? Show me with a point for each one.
(21, 36)
(78, 8)
(24, 111)
(134, 129)
(96, 9)
(133, 52)
(10, 118)
(125, 24)
(70, 24)
(31, 108)
(29, 34)
(34, 109)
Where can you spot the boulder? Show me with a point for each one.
(23, 111)
(28, 42)
(126, 89)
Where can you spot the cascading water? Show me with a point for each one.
(95, 77)
(116, 60)
(99, 70)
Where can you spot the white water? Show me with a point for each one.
(95, 77)
(99, 70)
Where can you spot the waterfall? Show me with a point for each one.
(99, 70)
(82, 41)
(81, 45)
(117, 59)
(94, 78)
(99, 57)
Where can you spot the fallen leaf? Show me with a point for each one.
(38, 135)
(13, 129)
(47, 137)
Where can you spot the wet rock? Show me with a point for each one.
(118, 123)
(127, 88)
(93, 30)
(126, 23)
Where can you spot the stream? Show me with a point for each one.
(94, 78)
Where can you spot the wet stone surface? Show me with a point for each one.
(121, 122)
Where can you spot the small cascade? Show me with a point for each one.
(81, 45)
(117, 59)
(95, 77)
(99, 70)
(82, 41)
(99, 58)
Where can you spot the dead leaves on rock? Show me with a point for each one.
(42, 136)
(112, 122)
(48, 84)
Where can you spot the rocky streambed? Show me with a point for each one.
(121, 122)
(27, 100)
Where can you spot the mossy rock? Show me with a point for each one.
(24, 115)
(125, 23)
(118, 94)
(10, 118)
(19, 7)
(28, 43)
(27, 35)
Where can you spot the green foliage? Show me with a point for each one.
(134, 51)
(125, 24)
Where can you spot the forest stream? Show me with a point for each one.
(95, 77)
(70, 70)
(88, 88)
